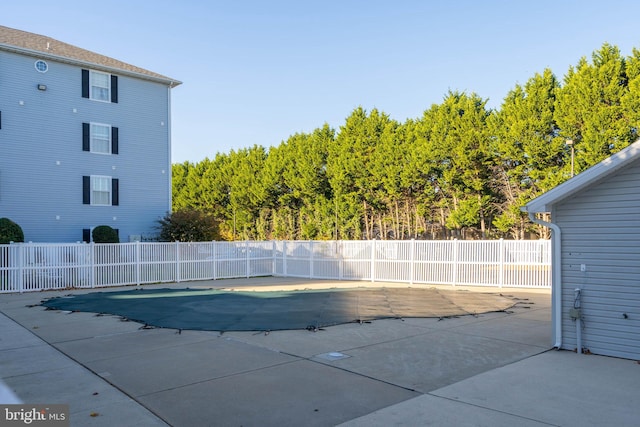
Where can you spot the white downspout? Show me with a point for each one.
(556, 277)
(170, 171)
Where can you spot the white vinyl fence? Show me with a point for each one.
(37, 266)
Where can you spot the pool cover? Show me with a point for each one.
(224, 310)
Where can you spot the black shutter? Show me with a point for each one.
(86, 190)
(114, 89)
(86, 235)
(85, 83)
(114, 140)
(115, 192)
(0, 119)
(86, 137)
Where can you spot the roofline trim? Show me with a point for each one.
(544, 202)
(64, 59)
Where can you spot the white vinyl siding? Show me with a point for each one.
(601, 230)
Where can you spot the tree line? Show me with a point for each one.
(461, 170)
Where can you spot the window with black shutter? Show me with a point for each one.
(86, 235)
(100, 138)
(98, 190)
(99, 86)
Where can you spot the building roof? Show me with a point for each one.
(585, 179)
(47, 48)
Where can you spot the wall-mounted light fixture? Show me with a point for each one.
(42, 87)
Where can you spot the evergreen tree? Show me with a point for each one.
(457, 171)
(349, 168)
(461, 134)
(527, 148)
(589, 107)
(180, 198)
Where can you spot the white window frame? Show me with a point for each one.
(93, 140)
(93, 76)
(41, 66)
(98, 180)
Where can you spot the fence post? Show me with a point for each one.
(92, 264)
(20, 250)
(248, 264)
(311, 259)
(214, 259)
(274, 270)
(412, 260)
(177, 270)
(502, 266)
(454, 278)
(137, 262)
(373, 260)
(339, 247)
(284, 258)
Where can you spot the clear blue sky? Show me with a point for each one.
(256, 72)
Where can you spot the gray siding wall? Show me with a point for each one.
(601, 229)
(41, 157)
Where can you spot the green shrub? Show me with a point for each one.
(188, 225)
(10, 231)
(105, 234)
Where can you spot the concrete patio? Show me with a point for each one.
(493, 369)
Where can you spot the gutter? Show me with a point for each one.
(556, 277)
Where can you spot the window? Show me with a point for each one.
(99, 138)
(100, 190)
(99, 86)
(41, 66)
